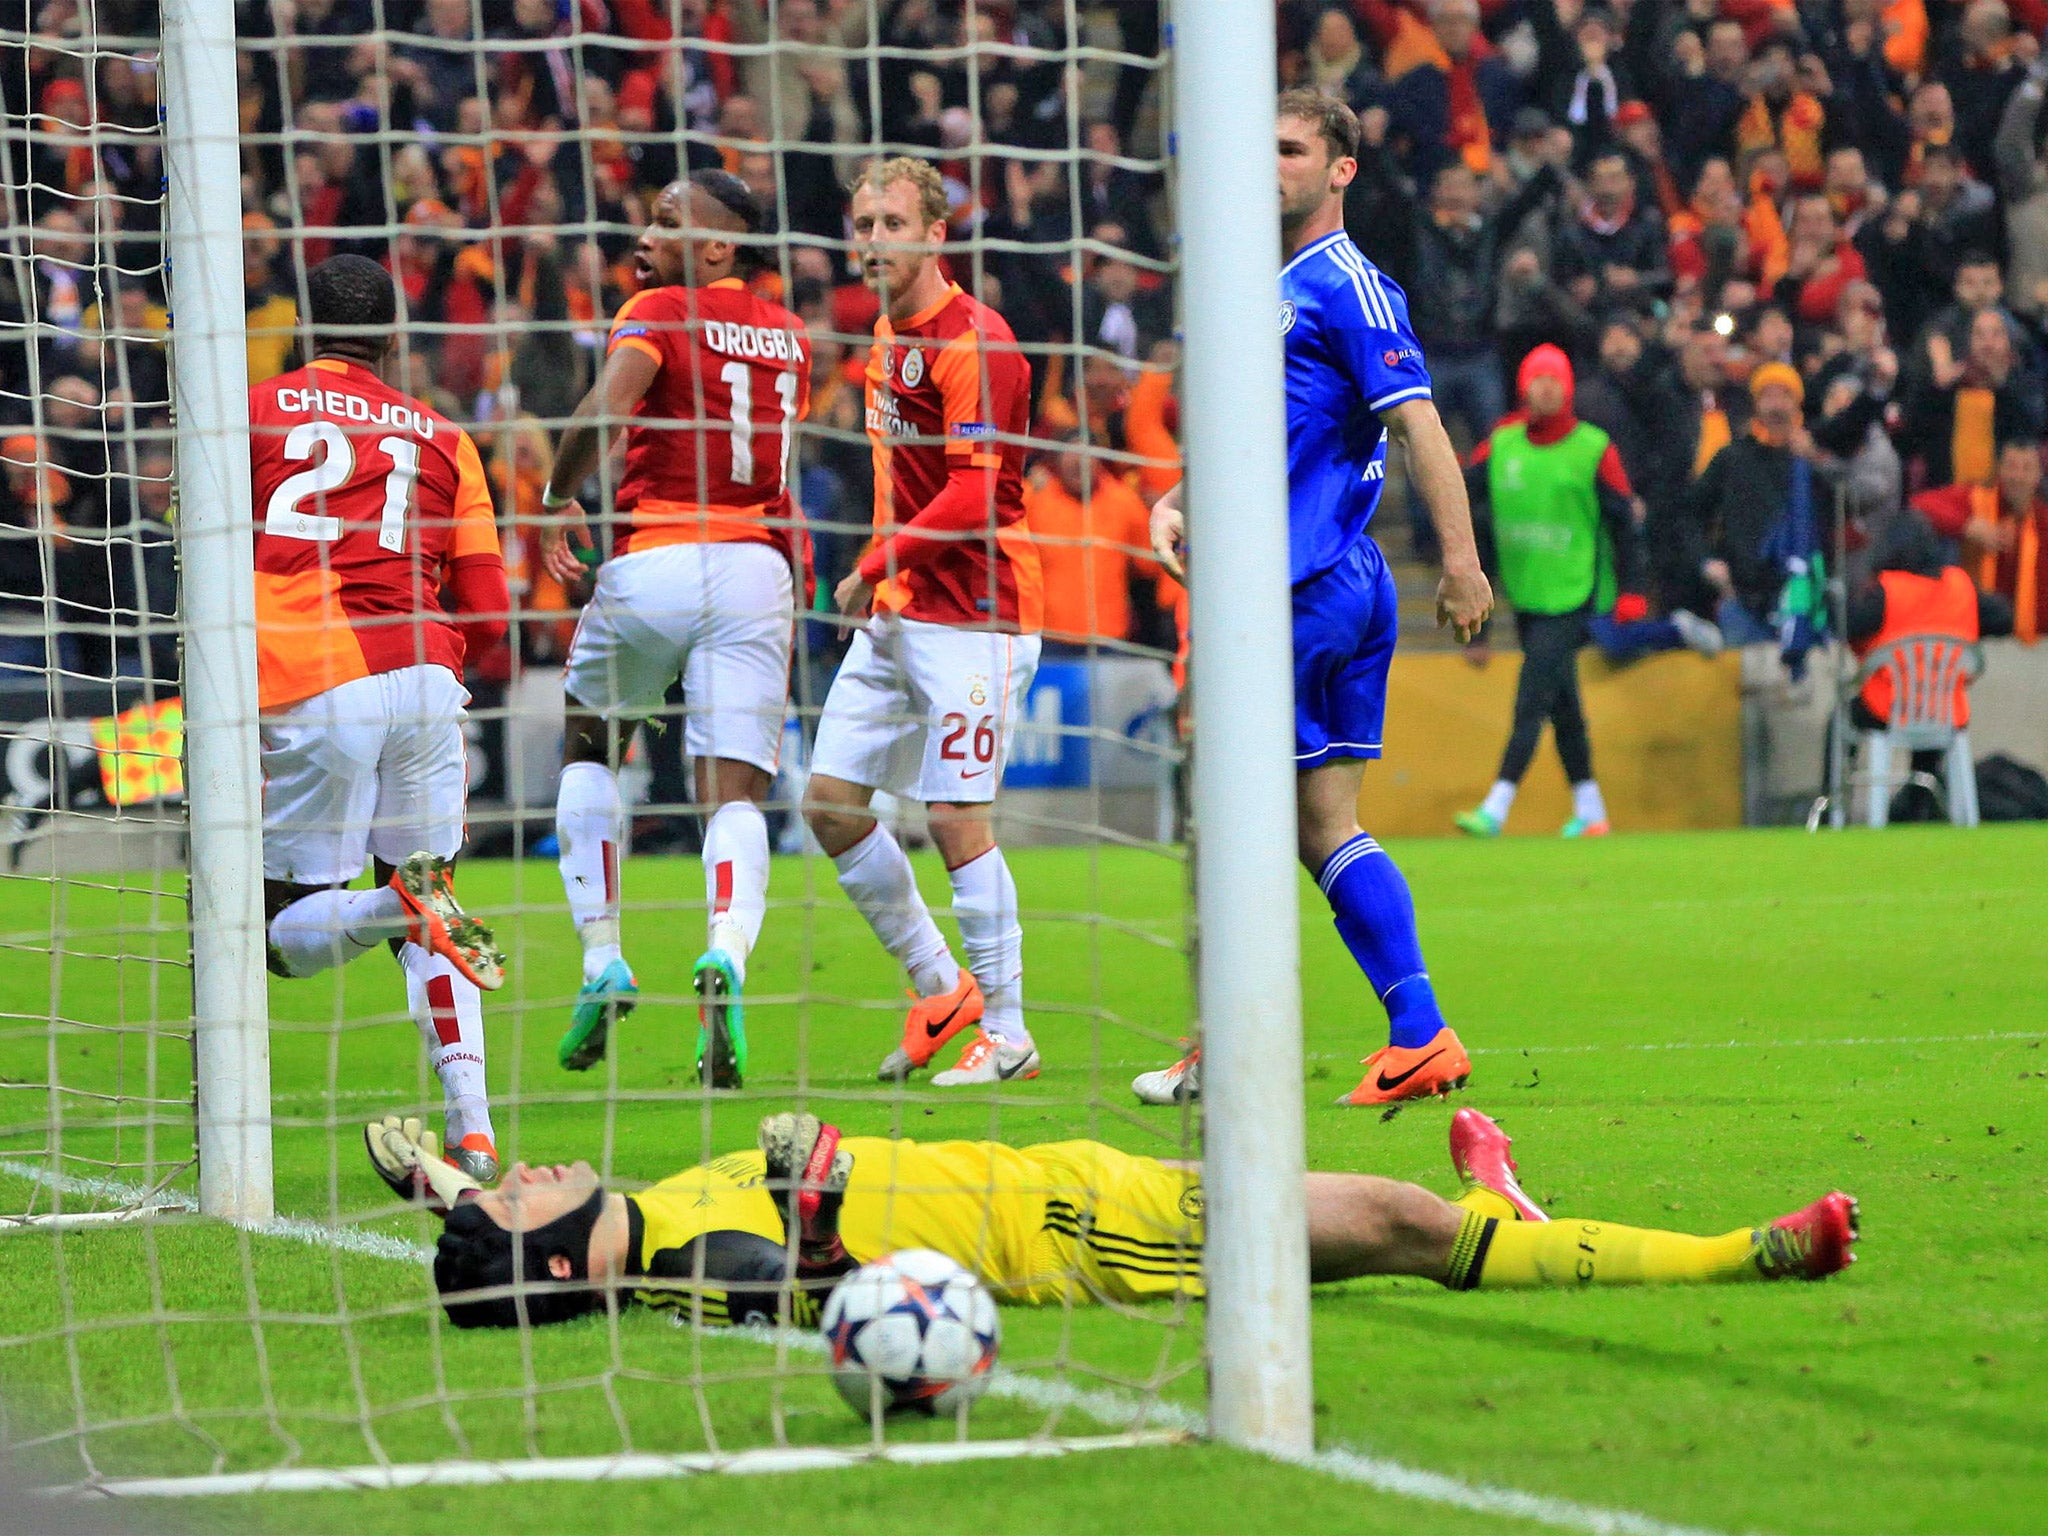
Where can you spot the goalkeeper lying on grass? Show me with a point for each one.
(1072, 1219)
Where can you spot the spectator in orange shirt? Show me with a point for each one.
(1092, 534)
(1151, 416)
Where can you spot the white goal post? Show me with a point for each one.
(1246, 892)
(210, 395)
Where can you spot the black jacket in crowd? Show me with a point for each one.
(1447, 271)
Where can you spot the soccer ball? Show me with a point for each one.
(917, 1326)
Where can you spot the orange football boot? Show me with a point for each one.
(435, 921)
(477, 1156)
(933, 1021)
(1394, 1073)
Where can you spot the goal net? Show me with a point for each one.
(500, 161)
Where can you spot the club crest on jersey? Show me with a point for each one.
(977, 691)
(1286, 316)
(913, 367)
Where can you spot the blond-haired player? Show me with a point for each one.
(950, 590)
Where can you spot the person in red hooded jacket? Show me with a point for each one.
(1551, 490)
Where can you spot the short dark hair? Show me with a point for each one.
(349, 299)
(733, 195)
(476, 1254)
(1336, 123)
(1976, 256)
(1946, 152)
(737, 199)
(1908, 544)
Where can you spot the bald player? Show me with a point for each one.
(706, 555)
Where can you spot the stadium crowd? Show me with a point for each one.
(1769, 234)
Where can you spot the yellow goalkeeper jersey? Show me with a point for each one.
(1065, 1220)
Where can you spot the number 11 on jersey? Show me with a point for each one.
(739, 380)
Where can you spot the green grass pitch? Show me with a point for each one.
(1694, 1032)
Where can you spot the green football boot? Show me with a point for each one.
(721, 1021)
(603, 1002)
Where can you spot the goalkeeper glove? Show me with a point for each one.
(809, 1169)
(406, 1155)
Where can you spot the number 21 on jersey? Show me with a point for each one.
(289, 515)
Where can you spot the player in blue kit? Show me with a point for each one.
(1355, 379)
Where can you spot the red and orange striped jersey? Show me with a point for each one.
(949, 388)
(707, 454)
(365, 502)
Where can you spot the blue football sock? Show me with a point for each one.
(1376, 917)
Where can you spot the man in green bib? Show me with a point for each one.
(1564, 538)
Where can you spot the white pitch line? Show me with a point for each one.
(294, 1229)
(1103, 1404)
(625, 1466)
(1758, 1045)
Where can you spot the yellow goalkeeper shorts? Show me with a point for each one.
(1116, 1227)
(1068, 1220)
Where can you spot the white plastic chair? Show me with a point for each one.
(1925, 672)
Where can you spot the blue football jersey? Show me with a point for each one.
(1350, 355)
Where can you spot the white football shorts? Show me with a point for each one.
(925, 710)
(374, 766)
(720, 616)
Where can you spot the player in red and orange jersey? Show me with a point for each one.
(706, 557)
(367, 505)
(924, 703)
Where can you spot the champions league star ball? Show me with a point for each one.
(914, 1331)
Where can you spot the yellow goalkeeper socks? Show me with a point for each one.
(1494, 1254)
(1486, 1203)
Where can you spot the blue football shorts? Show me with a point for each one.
(1345, 624)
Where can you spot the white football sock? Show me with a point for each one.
(736, 878)
(450, 1014)
(1586, 802)
(1499, 801)
(985, 905)
(876, 877)
(330, 928)
(590, 825)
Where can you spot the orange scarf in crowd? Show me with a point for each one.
(2026, 590)
(1770, 248)
(1972, 446)
(1714, 436)
(1796, 131)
